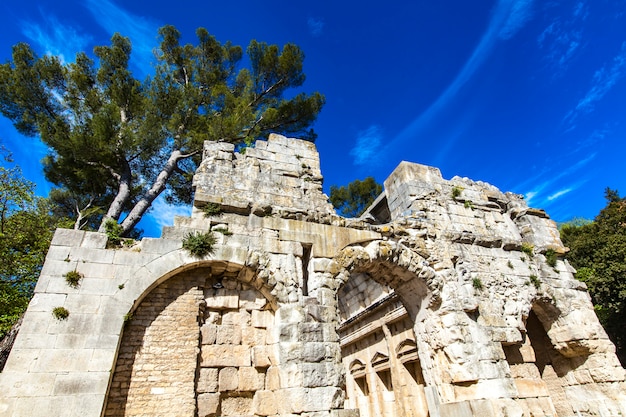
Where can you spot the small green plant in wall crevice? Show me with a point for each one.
(456, 192)
(550, 255)
(535, 281)
(212, 209)
(60, 313)
(73, 278)
(223, 230)
(477, 284)
(528, 249)
(199, 244)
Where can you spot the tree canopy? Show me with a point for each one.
(352, 199)
(118, 142)
(26, 228)
(598, 252)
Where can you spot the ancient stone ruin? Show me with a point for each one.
(447, 298)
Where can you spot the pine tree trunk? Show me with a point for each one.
(6, 344)
(157, 188)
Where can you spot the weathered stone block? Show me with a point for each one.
(208, 405)
(228, 335)
(225, 355)
(228, 379)
(264, 403)
(251, 379)
(209, 334)
(237, 406)
(208, 380)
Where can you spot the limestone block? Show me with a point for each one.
(531, 387)
(251, 300)
(236, 318)
(262, 319)
(228, 379)
(264, 403)
(81, 383)
(253, 336)
(237, 406)
(272, 378)
(322, 398)
(225, 355)
(321, 374)
(209, 333)
(223, 299)
(228, 335)
(67, 237)
(263, 356)
(208, 380)
(291, 400)
(208, 405)
(251, 379)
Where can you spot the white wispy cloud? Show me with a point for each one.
(536, 195)
(519, 13)
(54, 37)
(508, 17)
(562, 39)
(559, 193)
(141, 31)
(316, 26)
(367, 146)
(162, 214)
(602, 82)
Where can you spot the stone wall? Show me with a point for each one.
(447, 298)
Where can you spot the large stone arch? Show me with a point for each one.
(385, 288)
(197, 342)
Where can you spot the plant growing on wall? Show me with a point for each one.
(73, 278)
(199, 244)
(60, 313)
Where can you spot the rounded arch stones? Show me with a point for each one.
(395, 265)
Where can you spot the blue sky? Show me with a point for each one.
(527, 95)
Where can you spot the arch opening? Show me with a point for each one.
(379, 346)
(198, 343)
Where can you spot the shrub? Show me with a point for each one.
(211, 209)
(551, 257)
(72, 279)
(60, 313)
(456, 192)
(199, 244)
(113, 231)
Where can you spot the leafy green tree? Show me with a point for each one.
(119, 143)
(598, 252)
(352, 199)
(26, 228)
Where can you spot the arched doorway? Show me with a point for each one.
(198, 344)
(379, 302)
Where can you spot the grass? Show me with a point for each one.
(212, 209)
(528, 249)
(535, 281)
(477, 284)
(199, 244)
(73, 278)
(60, 313)
(456, 192)
(223, 231)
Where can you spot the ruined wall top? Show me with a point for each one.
(279, 177)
